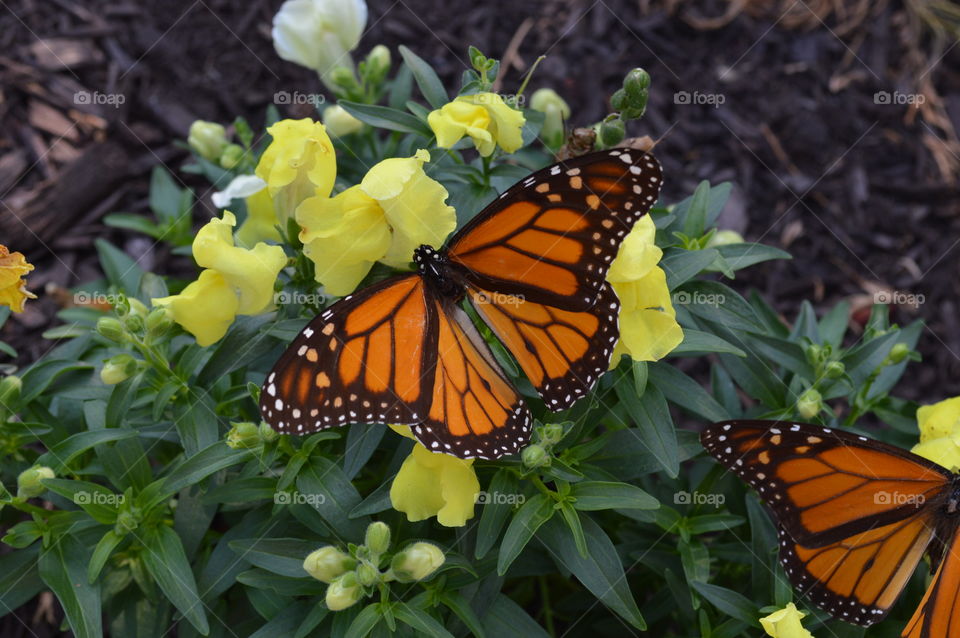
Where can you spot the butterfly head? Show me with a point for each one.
(435, 269)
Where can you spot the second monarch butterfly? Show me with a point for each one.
(533, 265)
(855, 517)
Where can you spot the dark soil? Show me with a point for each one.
(782, 102)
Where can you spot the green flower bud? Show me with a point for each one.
(343, 592)
(122, 305)
(137, 307)
(328, 563)
(127, 521)
(416, 562)
(10, 387)
(244, 435)
(534, 456)
(612, 131)
(813, 353)
(377, 538)
(637, 84)
(555, 111)
(619, 100)
(378, 62)
(207, 139)
(809, 404)
(835, 370)
(367, 574)
(133, 323)
(267, 433)
(898, 353)
(477, 59)
(725, 238)
(118, 369)
(28, 483)
(344, 77)
(551, 433)
(158, 322)
(231, 156)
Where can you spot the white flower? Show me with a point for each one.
(241, 187)
(319, 34)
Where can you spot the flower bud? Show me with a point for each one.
(10, 387)
(551, 433)
(207, 139)
(898, 353)
(809, 404)
(158, 322)
(267, 433)
(327, 563)
(137, 307)
(28, 483)
(835, 370)
(343, 592)
(339, 122)
(118, 369)
(377, 538)
(534, 456)
(122, 305)
(344, 78)
(612, 131)
(111, 328)
(378, 62)
(555, 111)
(127, 521)
(244, 436)
(725, 238)
(367, 574)
(416, 562)
(231, 156)
(813, 353)
(133, 323)
(636, 90)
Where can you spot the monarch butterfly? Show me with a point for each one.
(532, 265)
(855, 517)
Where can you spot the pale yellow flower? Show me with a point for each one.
(205, 308)
(484, 117)
(339, 122)
(785, 623)
(13, 289)
(940, 433)
(648, 324)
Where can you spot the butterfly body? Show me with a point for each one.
(855, 517)
(533, 267)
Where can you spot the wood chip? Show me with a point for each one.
(65, 53)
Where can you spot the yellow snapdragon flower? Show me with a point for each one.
(299, 163)
(236, 281)
(13, 289)
(394, 209)
(940, 433)
(785, 623)
(648, 324)
(484, 117)
(434, 484)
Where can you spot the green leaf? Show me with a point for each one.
(283, 556)
(243, 344)
(421, 621)
(729, 602)
(63, 569)
(208, 461)
(833, 325)
(332, 495)
(695, 223)
(495, 513)
(167, 563)
(606, 495)
(459, 606)
(165, 195)
(572, 520)
(362, 442)
(697, 341)
(121, 271)
(96, 500)
(714, 301)
(746, 254)
(601, 572)
(430, 85)
(654, 424)
(38, 377)
(387, 118)
(136, 223)
(525, 523)
(60, 455)
(681, 265)
(364, 622)
(506, 619)
(101, 554)
(19, 578)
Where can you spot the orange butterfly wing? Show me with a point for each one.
(368, 358)
(550, 238)
(938, 615)
(562, 352)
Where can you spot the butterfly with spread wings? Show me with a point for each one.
(533, 266)
(855, 517)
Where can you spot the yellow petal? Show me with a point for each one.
(250, 273)
(432, 484)
(637, 254)
(506, 123)
(940, 419)
(458, 118)
(300, 162)
(648, 327)
(412, 203)
(261, 222)
(13, 290)
(205, 308)
(943, 451)
(785, 623)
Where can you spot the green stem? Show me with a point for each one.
(547, 610)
